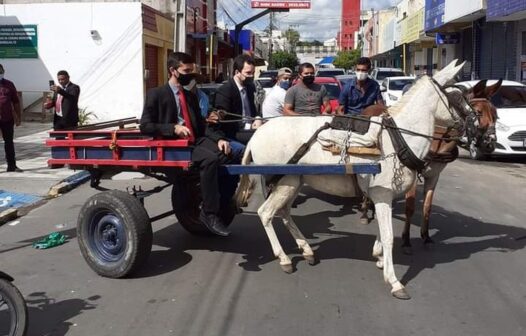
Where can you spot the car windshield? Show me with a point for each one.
(266, 83)
(333, 90)
(398, 84)
(510, 97)
(268, 74)
(383, 74)
(330, 73)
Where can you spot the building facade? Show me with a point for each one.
(349, 24)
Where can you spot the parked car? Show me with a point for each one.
(510, 101)
(325, 72)
(379, 74)
(267, 79)
(344, 79)
(392, 87)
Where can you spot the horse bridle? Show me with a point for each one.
(459, 122)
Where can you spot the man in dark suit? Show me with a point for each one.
(65, 101)
(237, 97)
(171, 111)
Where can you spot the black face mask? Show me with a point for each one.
(308, 80)
(184, 79)
(248, 81)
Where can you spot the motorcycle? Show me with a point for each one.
(13, 309)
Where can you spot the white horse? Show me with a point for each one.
(277, 140)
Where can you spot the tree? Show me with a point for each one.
(293, 36)
(347, 59)
(282, 59)
(314, 43)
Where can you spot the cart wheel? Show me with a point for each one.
(186, 203)
(114, 233)
(13, 310)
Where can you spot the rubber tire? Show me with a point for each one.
(16, 303)
(186, 203)
(138, 230)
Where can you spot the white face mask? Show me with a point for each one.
(361, 75)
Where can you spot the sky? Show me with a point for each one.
(320, 22)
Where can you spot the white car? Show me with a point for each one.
(392, 87)
(510, 101)
(379, 74)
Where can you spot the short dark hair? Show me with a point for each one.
(304, 66)
(364, 61)
(63, 73)
(240, 60)
(175, 59)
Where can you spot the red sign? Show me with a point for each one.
(295, 4)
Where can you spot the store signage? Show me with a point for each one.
(18, 41)
(434, 14)
(279, 4)
(448, 38)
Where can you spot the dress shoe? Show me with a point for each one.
(14, 169)
(214, 224)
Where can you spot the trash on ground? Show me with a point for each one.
(54, 239)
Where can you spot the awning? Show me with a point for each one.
(327, 60)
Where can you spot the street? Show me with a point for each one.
(470, 282)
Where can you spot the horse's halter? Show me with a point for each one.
(483, 138)
(460, 103)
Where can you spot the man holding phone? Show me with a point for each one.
(65, 101)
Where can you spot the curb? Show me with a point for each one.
(8, 215)
(69, 183)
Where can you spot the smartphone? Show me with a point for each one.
(51, 83)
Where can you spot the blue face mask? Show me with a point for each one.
(284, 85)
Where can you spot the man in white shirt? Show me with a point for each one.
(275, 99)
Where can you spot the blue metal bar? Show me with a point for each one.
(303, 169)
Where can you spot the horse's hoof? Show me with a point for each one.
(287, 268)
(407, 250)
(380, 264)
(364, 221)
(401, 294)
(311, 259)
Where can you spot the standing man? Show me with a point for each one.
(65, 101)
(236, 96)
(306, 97)
(361, 92)
(275, 100)
(173, 112)
(10, 115)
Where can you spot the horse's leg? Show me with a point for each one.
(430, 184)
(382, 200)
(409, 212)
(378, 253)
(364, 208)
(301, 241)
(283, 193)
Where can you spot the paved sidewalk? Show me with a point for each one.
(32, 155)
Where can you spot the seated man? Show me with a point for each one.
(171, 111)
(360, 93)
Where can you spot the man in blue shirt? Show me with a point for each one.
(361, 92)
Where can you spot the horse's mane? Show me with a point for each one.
(397, 108)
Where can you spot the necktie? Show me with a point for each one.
(58, 105)
(186, 114)
(246, 108)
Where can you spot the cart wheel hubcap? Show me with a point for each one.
(107, 237)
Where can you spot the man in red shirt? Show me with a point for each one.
(10, 115)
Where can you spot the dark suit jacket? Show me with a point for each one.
(159, 115)
(228, 98)
(70, 107)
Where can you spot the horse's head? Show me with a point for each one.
(480, 123)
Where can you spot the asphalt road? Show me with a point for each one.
(471, 282)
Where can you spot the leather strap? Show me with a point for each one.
(403, 151)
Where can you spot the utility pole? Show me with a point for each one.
(271, 46)
(180, 26)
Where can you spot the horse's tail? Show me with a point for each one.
(246, 185)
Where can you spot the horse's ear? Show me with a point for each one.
(479, 90)
(491, 90)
